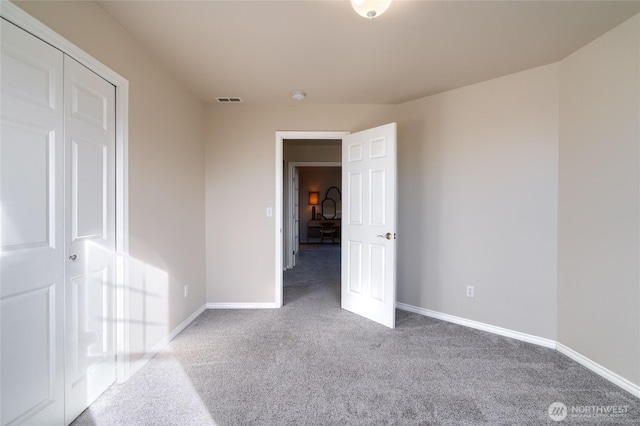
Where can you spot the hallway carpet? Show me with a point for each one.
(312, 363)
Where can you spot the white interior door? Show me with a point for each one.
(32, 237)
(369, 224)
(296, 215)
(90, 235)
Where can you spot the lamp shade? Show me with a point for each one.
(370, 8)
(314, 198)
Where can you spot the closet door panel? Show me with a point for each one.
(32, 237)
(90, 188)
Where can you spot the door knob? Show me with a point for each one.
(73, 257)
(388, 236)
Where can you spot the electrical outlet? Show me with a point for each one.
(186, 290)
(470, 291)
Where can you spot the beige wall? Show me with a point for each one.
(477, 179)
(166, 171)
(241, 160)
(599, 215)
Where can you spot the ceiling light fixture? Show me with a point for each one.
(370, 8)
(298, 95)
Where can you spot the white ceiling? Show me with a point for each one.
(263, 50)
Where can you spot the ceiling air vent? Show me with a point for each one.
(225, 100)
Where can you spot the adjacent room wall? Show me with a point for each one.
(166, 172)
(599, 214)
(310, 151)
(477, 191)
(315, 179)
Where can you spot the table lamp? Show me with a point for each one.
(314, 200)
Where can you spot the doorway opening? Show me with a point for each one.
(312, 237)
(368, 266)
(312, 206)
(284, 221)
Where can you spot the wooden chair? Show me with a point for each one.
(327, 230)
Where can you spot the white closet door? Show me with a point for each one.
(90, 235)
(32, 234)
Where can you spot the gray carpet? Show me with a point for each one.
(311, 363)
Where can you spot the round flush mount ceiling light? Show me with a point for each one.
(298, 95)
(370, 8)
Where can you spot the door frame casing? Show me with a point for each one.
(290, 205)
(279, 235)
(28, 23)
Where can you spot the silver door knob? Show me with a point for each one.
(388, 236)
(73, 257)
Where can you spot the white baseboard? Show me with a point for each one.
(134, 367)
(614, 378)
(529, 338)
(242, 306)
